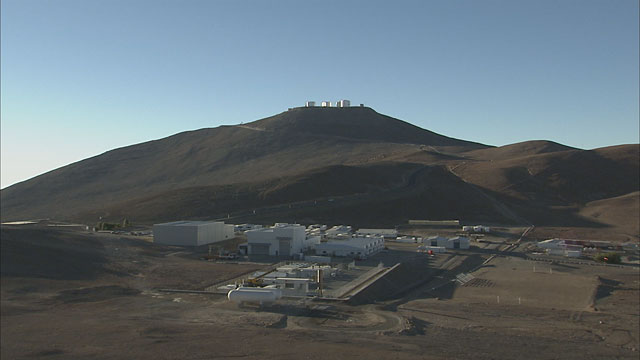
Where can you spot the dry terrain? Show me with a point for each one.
(111, 307)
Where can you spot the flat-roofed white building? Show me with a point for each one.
(387, 233)
(458, 242)
(326, 104)
(281, 240)
(192, 233)
(354, 247)
(437, 241)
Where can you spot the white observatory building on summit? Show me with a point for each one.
(340, 103)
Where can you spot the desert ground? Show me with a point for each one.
(93, 295)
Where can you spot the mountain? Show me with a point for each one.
(350, 165)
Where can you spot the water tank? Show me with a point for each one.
(256, 295)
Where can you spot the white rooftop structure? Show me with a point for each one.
(343, 103)
(387, 233)
(552, 244)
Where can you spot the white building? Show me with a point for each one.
(552, 244)
(436, 241)
(355, 247)
(458, 242)
(481, 229)
(326, 104)
(281, 240)
(310, 104)
(386, 233)
(191, 233)
(343, 103)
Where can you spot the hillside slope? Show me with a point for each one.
(334, 165)
(289, 143)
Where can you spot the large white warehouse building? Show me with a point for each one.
(281, 240)
(191, 233)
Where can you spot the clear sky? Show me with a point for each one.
(83, 77)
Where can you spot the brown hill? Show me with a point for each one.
(512, 151)
(617, 212)
(388, 193)
(257, 151)
(331, 165)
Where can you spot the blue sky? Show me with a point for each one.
(83, 77)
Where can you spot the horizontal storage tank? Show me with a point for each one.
(256, 295)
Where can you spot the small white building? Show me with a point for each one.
(436, 241)
(552, 244)
(293, 286)
(310, 104)
(360, 248)
(281, 240)
(192, 233)
(343, 103)
(481, 229)
(386, 233)
(458, 242)
(326, 104)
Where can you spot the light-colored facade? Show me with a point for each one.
(355, 247)
(458, 242)
(281, 240)
(343, 103)
(191, 233)
(437, 241)
(326, 104)
(310, 104)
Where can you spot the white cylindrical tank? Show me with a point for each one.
(258, 295)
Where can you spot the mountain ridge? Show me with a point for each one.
(294, 155)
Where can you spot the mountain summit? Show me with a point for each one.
(362, 123)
